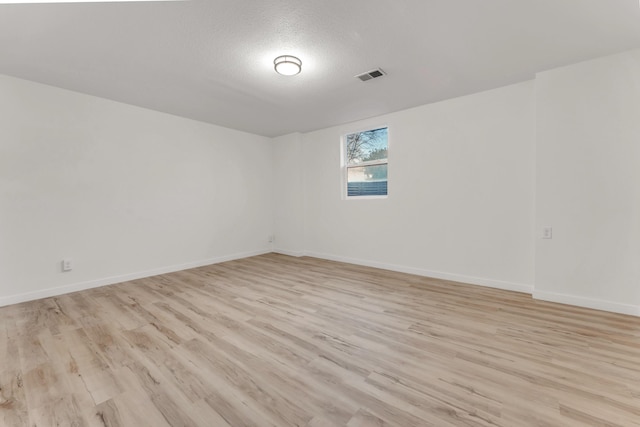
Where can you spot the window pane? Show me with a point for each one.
(366, 146)
(367, 181)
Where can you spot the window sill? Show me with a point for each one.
(365, 197)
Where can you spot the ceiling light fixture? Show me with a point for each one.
(287, 65)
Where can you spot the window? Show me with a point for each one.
(365, 163)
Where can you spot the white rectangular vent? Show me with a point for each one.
(371, 74)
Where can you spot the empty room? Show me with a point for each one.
(319, 213)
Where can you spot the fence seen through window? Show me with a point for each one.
(366, 162)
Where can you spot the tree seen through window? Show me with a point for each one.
(366, 162)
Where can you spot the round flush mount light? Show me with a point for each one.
(287, 65)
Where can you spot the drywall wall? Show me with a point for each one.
(288, 171)
(588, 183)
(461, 192)
(123, 191)
(128, 192)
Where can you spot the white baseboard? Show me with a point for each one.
(491, 283)
(290, 253)
(578, 301)
(74, 287)
(596, 304)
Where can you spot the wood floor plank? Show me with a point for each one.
(280, 341)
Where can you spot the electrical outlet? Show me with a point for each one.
(67, 264)
(547, 232)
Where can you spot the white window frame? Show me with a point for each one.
(345, 167)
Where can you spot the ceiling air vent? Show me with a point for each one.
(371, 74)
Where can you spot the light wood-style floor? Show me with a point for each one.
(279, 341)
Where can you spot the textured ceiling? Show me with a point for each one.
(212, 60)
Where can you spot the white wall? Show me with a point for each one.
(588, 183)
(288, 173)
(126, 192)
(461, 191)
